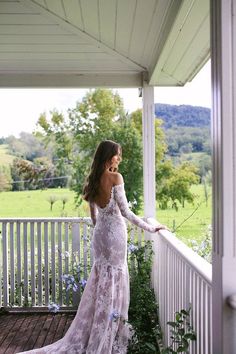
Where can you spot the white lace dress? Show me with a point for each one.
(100, 325)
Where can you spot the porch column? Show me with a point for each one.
(148, 120)
(223, 53)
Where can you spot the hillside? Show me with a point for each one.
(183, 115)
(5, 158)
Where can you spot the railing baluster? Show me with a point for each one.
(85, 251)
(76, 251)
(32, 258)
(39, 238)
(26, 277)
(53, 262)
(67, 257)
(60, 251)
(46, 276)
(5, 264)
(91, 251)
(19, 262)
(12, 264)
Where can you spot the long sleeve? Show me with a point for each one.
(93, 212)
(121, 200)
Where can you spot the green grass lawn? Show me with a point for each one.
(195, 226)
(36, 204)
(5, 158)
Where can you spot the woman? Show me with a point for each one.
(100, 325)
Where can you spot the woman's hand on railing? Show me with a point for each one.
(161, 227)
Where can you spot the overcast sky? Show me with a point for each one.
(20, 108)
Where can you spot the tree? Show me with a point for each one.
(160, 140)
(58, 139)
(174, 184)
(99, 116)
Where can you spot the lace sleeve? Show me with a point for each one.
(121, 200)
(93, 212)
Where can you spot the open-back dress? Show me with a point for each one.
(100, 325)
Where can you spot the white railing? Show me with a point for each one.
(181, 278)
(35, 253)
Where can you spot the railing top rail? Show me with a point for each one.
(52, 219)
(199, 264)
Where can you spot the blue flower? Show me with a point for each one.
(52, 307)
(70, 282)
(132, 248)
(114, 315)
(83, 282)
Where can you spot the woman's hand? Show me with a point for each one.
(161, 227)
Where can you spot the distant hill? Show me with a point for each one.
(183, 115)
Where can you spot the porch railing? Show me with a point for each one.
(35, 253)
(181, 278)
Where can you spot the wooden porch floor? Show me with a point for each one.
(21, 332)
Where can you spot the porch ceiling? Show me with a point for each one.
(89, 43)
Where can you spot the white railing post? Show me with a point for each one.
(223, 54)
(149, 150)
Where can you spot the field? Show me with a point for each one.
(195, 219)
(36, 204)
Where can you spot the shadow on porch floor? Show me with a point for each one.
(21, 332)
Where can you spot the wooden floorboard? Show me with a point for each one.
(21, 332)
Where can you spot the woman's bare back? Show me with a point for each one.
(107, 181)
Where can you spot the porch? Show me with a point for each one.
(25, 331)
(37, 254)
(110, 44)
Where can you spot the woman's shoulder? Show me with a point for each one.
(117, 178)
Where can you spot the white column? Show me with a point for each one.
(149, 151)
(223, 47)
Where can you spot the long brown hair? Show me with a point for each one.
(104, 153)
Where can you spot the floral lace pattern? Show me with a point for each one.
(100, 325)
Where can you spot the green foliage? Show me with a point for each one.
(143, 306)
(187, 140)
(174, 183)
(183, 115)
(160, 140)
(98, 117)
(187, 128)
(56, 135)
(182, 333)
(27, 146)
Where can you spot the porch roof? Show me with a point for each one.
(113, 43)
